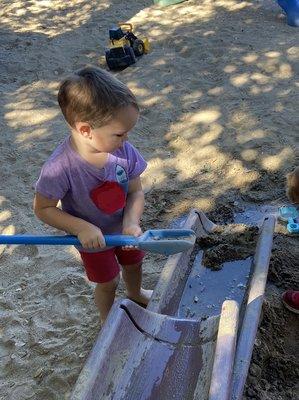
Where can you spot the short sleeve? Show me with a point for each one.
(52, 182)
(136, 162)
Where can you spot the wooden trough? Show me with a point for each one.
(161, 353)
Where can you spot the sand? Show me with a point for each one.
(274, 369)
(219, 124)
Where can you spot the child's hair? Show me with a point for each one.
(293, 185)
(93, 95)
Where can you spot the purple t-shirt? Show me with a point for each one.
(96, 195)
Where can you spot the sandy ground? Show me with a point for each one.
(274, 369)
(219, 123)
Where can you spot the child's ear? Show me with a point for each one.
(84, 129)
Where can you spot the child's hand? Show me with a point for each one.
(91, 237)
(132, 230)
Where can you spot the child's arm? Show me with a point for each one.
(134, 208)
(47, 211)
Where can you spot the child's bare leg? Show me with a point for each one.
(132, 276)
(104, 297)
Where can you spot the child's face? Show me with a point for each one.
(110, 137)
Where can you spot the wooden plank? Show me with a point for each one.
(254, 307)
(161, 326)
(221, 379)
(107, 357)
(141, 355)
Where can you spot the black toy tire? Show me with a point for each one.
(138, 47)
(118, 60)
(130, 52)
(110, 63)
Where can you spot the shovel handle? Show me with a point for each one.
(161, 241)
(111, 240)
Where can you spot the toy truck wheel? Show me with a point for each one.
(138, 47)
(110, 62)
(130, 52)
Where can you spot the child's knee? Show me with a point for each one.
(110, 286)
(132, 267)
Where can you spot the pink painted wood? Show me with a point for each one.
(142, 355)
(221, 380)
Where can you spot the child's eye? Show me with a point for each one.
(120, 135)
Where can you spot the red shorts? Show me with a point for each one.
(103, 266)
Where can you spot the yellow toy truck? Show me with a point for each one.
(124, 47)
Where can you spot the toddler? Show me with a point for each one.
(95, 173)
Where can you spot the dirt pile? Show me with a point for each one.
(228, 243)
(274, 369)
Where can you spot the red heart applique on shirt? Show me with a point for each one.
(109, 197)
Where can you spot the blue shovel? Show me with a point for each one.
(161, 241)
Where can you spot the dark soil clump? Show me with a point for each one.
(228, 243)
(223, 213)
